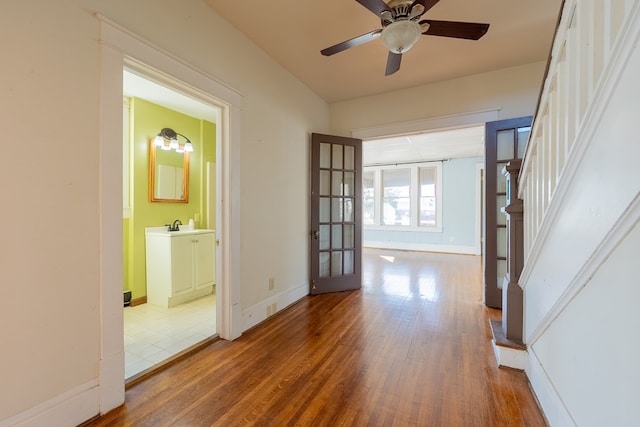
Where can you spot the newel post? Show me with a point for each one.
(512, 294)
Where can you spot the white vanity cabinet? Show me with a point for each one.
(180, 265)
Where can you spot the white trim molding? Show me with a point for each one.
(121, 48)
(423, 247)
(258, 313)
(70, 408)
(510, 357)
(440, 123)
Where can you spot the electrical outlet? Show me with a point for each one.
(272, 283)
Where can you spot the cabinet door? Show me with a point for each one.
(181, 264)
(204, 265)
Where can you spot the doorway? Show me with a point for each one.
(120, 49)
(153, 332)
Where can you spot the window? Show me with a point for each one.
(427, 182)
(403, 196)
(368, 202)
(396, 208)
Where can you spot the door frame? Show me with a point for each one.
(120, 48)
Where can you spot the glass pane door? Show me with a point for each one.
(336, 212)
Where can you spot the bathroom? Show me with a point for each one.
(156, 331)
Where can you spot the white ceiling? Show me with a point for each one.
(294, 31)
(140, 87)
(449, 144)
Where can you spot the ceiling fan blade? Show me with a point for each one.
(393, 63)
(426, 4)
(356, 41)
(375, 6)
(459, 30)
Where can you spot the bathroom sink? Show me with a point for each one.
(188, 231)
(163, 231)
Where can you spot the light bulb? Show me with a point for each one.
(400, 36)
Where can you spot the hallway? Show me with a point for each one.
(411, 348)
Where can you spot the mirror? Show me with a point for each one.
(168, 175)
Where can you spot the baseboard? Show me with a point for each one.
(552, 406)
(509, 354)
(138, 301)
(508, 357)
(67, 409)
(258, 313)
(424, 247)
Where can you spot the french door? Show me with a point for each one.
(336, 212)
(505, 140)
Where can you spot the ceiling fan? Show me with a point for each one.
(401, 28)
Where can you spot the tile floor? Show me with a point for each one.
(153, 334)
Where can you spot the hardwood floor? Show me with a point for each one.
(411, 348)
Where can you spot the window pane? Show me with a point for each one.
(325, 155)
(323, 261)
(501, 180)
(348, 210)
(325, 178)
(336, 237)
(502, 271)
(523, 137)
(368, 214)
(396, 203)
(337, 156)
(348, 236)
(349, 184)
(396, 183)
(502, 242)
(501, 202)
(349, 162)
(428, 192)
(325, 209)
(336, 210)
(324, 237)
(336, 183)
(506, 139)
(336, 263)
(348, 262)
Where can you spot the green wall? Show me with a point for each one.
(146, 120)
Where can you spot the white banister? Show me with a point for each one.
(586, 37)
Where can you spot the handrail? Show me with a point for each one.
(586, 42)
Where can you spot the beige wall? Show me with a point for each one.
(513, 91)
(49, 256)
(49, 263)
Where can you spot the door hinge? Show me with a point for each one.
(313, 285)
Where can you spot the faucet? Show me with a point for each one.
(175, 226)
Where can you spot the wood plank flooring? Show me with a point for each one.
(412, 348)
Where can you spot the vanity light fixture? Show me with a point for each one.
(167, 139)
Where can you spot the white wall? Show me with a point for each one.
(513, 91)
(49, 263)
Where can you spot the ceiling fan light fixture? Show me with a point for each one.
(400, 36)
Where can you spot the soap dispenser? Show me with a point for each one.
(191, 225)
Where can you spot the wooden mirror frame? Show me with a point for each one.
(152, 177)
